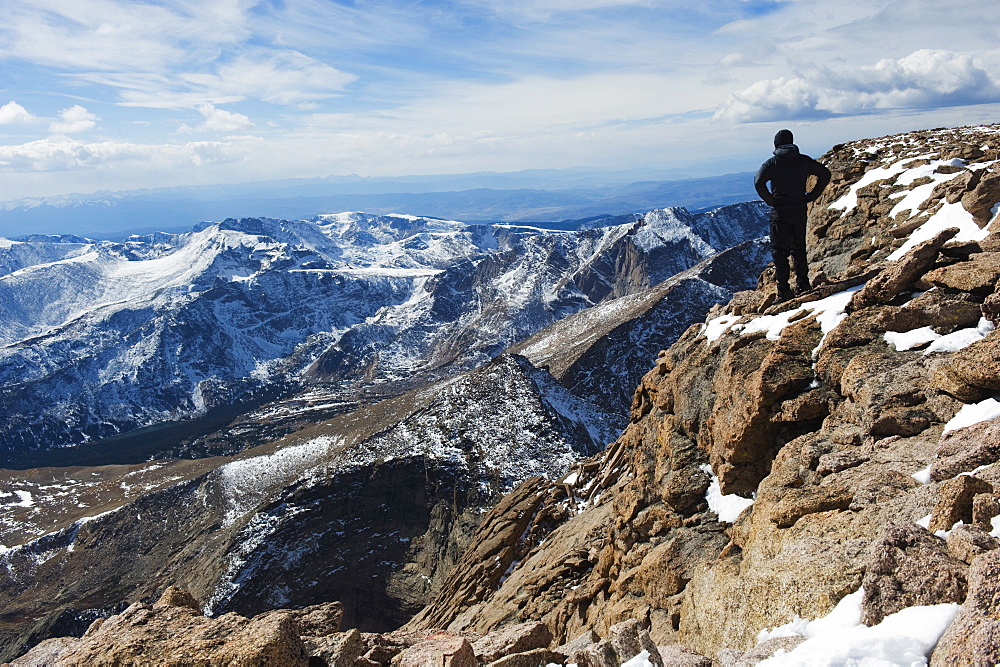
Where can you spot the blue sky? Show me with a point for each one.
(113, 94)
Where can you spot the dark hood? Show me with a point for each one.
(786, 151)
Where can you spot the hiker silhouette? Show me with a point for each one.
(788, 171)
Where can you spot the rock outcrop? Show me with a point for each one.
(843, 414)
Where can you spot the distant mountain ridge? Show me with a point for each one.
(363, 456)
(538, 196)
(99, 338)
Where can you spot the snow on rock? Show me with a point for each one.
(904, 638)
(244, 481)
(950, 215)
(850, 199)
(829, 312)
(728, 507)
(962, 338)
(974, 413)
(907, 340)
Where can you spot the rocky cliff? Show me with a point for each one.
(854, 417)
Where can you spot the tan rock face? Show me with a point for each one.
(908, 567)
(973, 373)
(828, 435)
(954, 501)
(979, 274)
(172, 631)
(974, 636)
(443, 649)
(966, 542)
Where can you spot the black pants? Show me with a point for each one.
(788, 238)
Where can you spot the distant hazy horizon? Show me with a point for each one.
(538, 196)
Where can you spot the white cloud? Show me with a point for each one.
(220, 120)
(12, 113)
(66, 154)
(923, 79)
(74, 120)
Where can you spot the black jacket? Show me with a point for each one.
(787, 172)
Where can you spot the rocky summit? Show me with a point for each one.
(810, 481)
(783, 457)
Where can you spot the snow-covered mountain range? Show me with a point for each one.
(101, 338)
(407, 373)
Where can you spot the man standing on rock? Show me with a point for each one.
(787, 172)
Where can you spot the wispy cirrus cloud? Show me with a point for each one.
(119, 35)
(280, 77)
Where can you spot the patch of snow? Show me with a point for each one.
(713, 329)
(728, 507)
(7, 243)
(907, 340)
(924, 522)
(995, 522)
(949, 215)
(904, 638)
(913, 198)
(974, 413)
(829, 312)
(943, 534)
(957, 340)
(850, 198)
(923, 476)
(244, 481)
(27, 500)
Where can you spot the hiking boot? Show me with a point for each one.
(784, 293)
(802, 286)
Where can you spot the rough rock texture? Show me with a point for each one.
(896, 277)
(763, 651)
(443, 649)
(974, 636)
(601, 654)
(179, 634)
(909, 566)
(630, 639)
(967, 542)
(532, 658)
(566, 651)
(514, 639)
(973, 373)
(676, 655)
(337, 649)
(954, 501)
(967, 449)
(825, 420)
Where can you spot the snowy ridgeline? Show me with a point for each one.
(164, 327)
